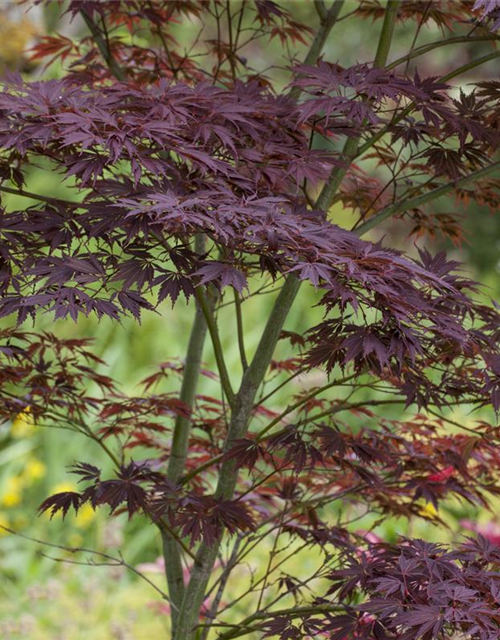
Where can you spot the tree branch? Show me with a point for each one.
(216, 343)
(167, 530)
(244, 627)
(327, 22)
(180, 444)
(320, 8)
(420, 51)
(241, 333)
(300, 402)
(408, 109)
(471, 65)
(214, 607)
(253, 376)
(350, 150)
(103, 47)
(425, 198)
(117, 562)
(194, 354)
(37, 196)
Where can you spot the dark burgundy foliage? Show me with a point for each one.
(61, 502)
(193, 177)
(416, 590)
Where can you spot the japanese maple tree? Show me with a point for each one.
(198, 176)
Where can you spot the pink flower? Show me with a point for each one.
(490, 530)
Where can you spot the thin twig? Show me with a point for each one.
(117, 562)
(303, 401)
(244, 627)
(413, 203)
(37, 196)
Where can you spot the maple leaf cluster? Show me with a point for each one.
(205, 160)
(415, 590)
(317, 460)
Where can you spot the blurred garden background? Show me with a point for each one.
(40, 596)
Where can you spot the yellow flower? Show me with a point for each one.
(58, 488)
(20, 521)
(85, 516)
(23, 424)
(75, 540)
(15, 37)
(33, 471)
(4, 522)
(429, 510)
(61, 487)
(12, 492)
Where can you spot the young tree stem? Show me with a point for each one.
(245, 397)
(180, 443)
